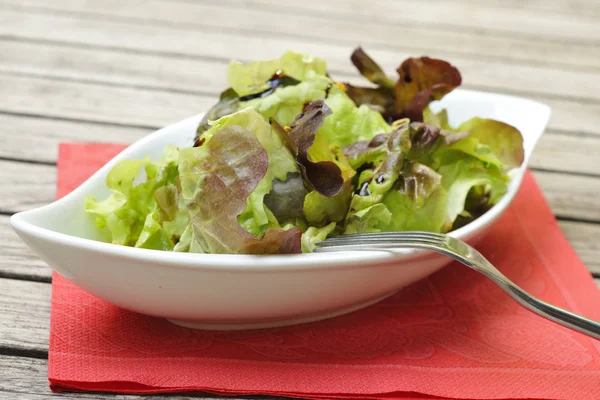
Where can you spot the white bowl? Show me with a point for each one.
(209, 291)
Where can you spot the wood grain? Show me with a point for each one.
(113, 71)
(97, 103)
(577, 8)
(24, 378)
(585, 239)
(475, 18)
(24, 315)
(24, 186)
(37, 139)
(209, 75)
(17, 261)
(130, 24)
(567, 153)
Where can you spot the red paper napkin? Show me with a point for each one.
(453, 335)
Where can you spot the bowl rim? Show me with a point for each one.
(253, 263)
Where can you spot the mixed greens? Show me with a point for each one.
(288, 156)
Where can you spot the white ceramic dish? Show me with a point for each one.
(240, 291)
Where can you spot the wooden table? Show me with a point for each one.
(113, 71)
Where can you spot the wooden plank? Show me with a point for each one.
(188, 75)
(571, 196)
(476, 18)
(17, 260)
(24, 186)
(114, 67)
(98, 103)
(24, 315)
(569, 7)
(37, 139)
(567, 153)
(585, 239)
(23, 378)
(176, 29)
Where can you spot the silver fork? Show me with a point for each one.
(468, 256)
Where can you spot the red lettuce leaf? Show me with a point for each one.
(221, 175)
(324, 176)
(421, 80)
(369, 68)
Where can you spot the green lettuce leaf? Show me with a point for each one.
(153, 236)
(503, 140)
(132, 216)
(285, 103)
(462, 177)
(314, 235)
(349, 123)
(419, 201)
(491, 141)
(375, 218)
(321, 210)
(252, 77)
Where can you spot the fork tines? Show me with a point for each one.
(381, 238)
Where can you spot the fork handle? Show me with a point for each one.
(549, 311)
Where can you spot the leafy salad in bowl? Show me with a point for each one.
(289, 156)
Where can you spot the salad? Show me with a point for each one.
(289, 156)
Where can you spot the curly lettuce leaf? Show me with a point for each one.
(415, 200)
(132, 216)
(367, 213)
(314, 235)
(470, 175)
(256, 217)
(493, 142)
(370, 69)
(253, 77)
(325, 176)
(228, 103)
(257, 80)
(372, 153)
(504, 140)
(421, 80)
(318, 208)
(419, 201)
(375, 218)
(217, 179)
(350, 123)
(285, 103)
